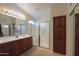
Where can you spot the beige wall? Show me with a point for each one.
(76, 9)
(59, 10)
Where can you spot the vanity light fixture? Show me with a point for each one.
(12, 13)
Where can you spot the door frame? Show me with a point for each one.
(49, 34)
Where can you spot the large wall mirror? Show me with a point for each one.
(10, 26)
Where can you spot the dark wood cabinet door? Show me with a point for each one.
(77, 34)
(17, 47)
(5, 49)
(29, 41)
(59, 34)
(24, 44)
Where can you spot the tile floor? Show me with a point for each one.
(37, 51)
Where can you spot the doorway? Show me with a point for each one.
(59, 29)
(77, 34)
(44, 35)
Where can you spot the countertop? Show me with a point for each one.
(12, 38)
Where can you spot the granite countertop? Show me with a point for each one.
(12, 38)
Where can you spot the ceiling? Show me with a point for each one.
(12, 6)
(15, 8)
(37, 10)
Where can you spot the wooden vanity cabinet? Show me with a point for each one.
(24, 44)
(27, 43)
(15, 48)
(5, 49)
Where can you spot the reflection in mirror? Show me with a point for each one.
(10, 26)
(1, 34)
(20, 26)
(6, 25)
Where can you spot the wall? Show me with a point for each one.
(51, 32)
(76, 9)
(59, 10)
(35, 34)
(70, 31)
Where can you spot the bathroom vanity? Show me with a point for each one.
(14, 46)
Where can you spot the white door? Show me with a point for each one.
(44, 34)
